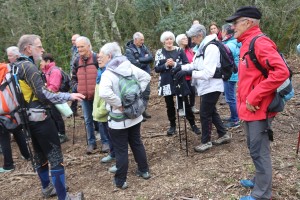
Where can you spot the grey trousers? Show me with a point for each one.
(259, 146)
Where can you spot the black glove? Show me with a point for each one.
(175, 70)
(182, 74)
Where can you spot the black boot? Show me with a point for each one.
(171, 131)
(146, 115)
(196, 129)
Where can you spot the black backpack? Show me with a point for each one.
(284, 92)
(228, 65)
(65, 85)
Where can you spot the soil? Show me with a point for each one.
(212, 175)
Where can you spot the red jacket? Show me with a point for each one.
(252, 85)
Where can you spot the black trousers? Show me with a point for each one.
(120, 139)
(46, 143)
(6, 146)
(58, 120)
(209, 116)
(171, 112)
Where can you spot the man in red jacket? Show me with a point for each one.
(255, 93)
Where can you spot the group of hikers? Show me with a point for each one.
(186, 70)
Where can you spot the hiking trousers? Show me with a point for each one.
(120, 139)
(209, 115)
(259, 146)
(46, 143)
(6, 146)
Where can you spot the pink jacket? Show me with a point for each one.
(252, 85)
(53, 77)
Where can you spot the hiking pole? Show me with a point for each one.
(73, 128)
(177, 109)
(184, 118)
(298, 143)
(23, 114)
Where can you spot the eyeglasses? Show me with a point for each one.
(40, 47)
(238, 21)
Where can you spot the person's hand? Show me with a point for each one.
(179, 75)
(170, 62)
(251, 107)
(175, 70)
(77, 96)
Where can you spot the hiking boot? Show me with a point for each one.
(63, 138)
(113, 169)
(123, 187)
(6, 170)
(78, 196)
(146, 115)
(105, 148)
(247, 198)
(247, 183)
(171, 131)
(222, 140)
(232, 124)
(196, 129)
(90, 149)
(181, 113)
(107, 159)
(49, 191)
(144, 175)
(222, 100)
(195, 110)
(203, 147)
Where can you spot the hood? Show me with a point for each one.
(120, 65)
(129, 44)
(206, 40)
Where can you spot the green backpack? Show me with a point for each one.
(131, 97)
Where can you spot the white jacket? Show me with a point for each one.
(109, 88)
(204, 70)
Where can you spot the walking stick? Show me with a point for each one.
(73, 129)
(298, 143)
(23, 113)
(177, 109)
(184, 118)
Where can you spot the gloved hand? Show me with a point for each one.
(175, 70)
(182, 74)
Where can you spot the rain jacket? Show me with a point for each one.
(109, 88)
(252, 85)
(204, 70)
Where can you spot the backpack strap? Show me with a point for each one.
(253, 57)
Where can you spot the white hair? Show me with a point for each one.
(112, 48)
(179, 38)
(85, 39)
(195, 30)
(165, 35)
(255, 21)
(137, 35)
(14, 50)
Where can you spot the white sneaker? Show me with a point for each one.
(222, 140)
(195, 110)
(203, 147)
(181, 113)
(112, 169)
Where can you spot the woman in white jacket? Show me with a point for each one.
(127, 131)
(203, 69)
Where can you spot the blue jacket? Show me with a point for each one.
(234, 47)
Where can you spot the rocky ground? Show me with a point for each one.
(212, 175)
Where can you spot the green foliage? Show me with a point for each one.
(56, 21)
